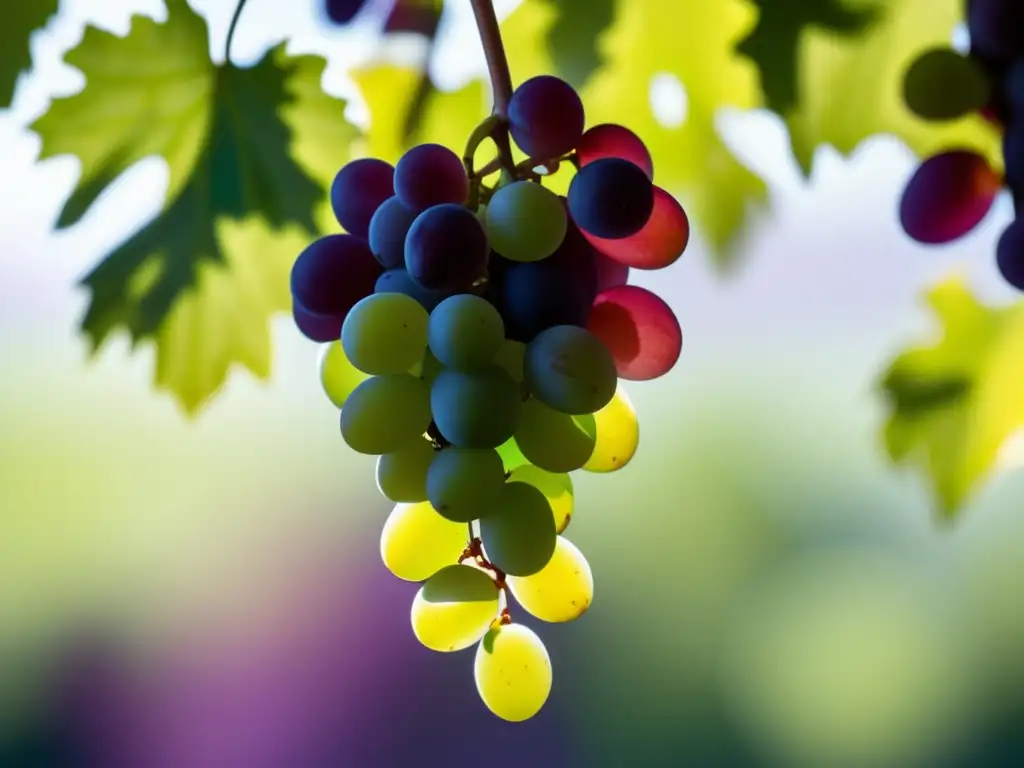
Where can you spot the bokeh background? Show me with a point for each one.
(770, 592)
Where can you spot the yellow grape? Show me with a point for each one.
(417, 542)
(562, 590)
(455, 608)
(513, 672)
(618, 435)
(338, 376)
(557, 489)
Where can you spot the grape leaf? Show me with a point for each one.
(573, 37)
(954, 404)
(850, 86)
(20, 20)
(249, 151)
(774, 42)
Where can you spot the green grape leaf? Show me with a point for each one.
(851, 86)
(20, 20)
(249, 151)
(573, 37)
(954, 404)
(774, 42)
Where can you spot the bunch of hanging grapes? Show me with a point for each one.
(951, 192)
(476, 336)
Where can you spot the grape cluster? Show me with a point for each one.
(952, 191)
(476, 334)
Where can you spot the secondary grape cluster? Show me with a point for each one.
(476, 327)
(952, 191)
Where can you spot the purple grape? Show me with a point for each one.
(342, 11)
(388, 228)
(611, 198)
(996, 28)
(1013, 157)
(429, 175)
(1010, 254)
(610, 273)
(948, 196)
(320, 328)
(398, 281)
(332, 274)
(535, 296)
(446, 248)
(545, 117)
(358, 191)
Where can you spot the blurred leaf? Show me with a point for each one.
(774, 42)
(851, 87)
(249, 151)
(954, 404)
(573, 37)
(20, 19)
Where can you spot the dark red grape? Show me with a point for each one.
(428, 175)
(545, 117)
(333, 273)
(1010, 254)
(538, 295)
(1013, 156)
(639, 329)
(611, 198)
(996, 28)
(611, 140)
(446, 248)
(661, 241)
(342, 11)
(322, 328)
(388, 228)
(948, 196)
(358, 191)
(610, 273)
(399, 281)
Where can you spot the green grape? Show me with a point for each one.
(465, 331)
(525, 221)
(942, 84)
(510, 357)
(417, 542)
(554, 441)
(338, 376)
(570, 370)
(557, 489)
(385, 333)
(386, 413)
(475, 409)
(561, 591)
(512, 670)
(511, 456)
(617, 435)
(402, 475)
(519, 535)
(464, 483)
(454, 608)
(427, 368)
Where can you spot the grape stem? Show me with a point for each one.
(494, 50)
(231, 29)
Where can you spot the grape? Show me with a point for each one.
(535, 297)
(610, 140)
(545, 117)
(332, 274)
(322, 328)
(611, 198)
(512, 670)
(552, 440)
(358, 190)
(1015, 88)
(617, 433)
(610, 273)
(414, 16)
(477, 409)
(519, 533)
(948, 196)
(1010, 254)
(639, 329)
(465, 332)
(1013, 157)
(385, 333)
(525, 221)
(388, 228)
(942, 84)
(386, 413)
(446, 248)
(570, 370)
(464, 483)
(658, 244)
(997, 28)
(510, 454)
(428, 175)
(561, 591)
(417, 542)
(556, 487)
(454, 608)
(398, 281)
(342, 11)
(510, 357)
(402, 475)
(428, 367)
(338, 376)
